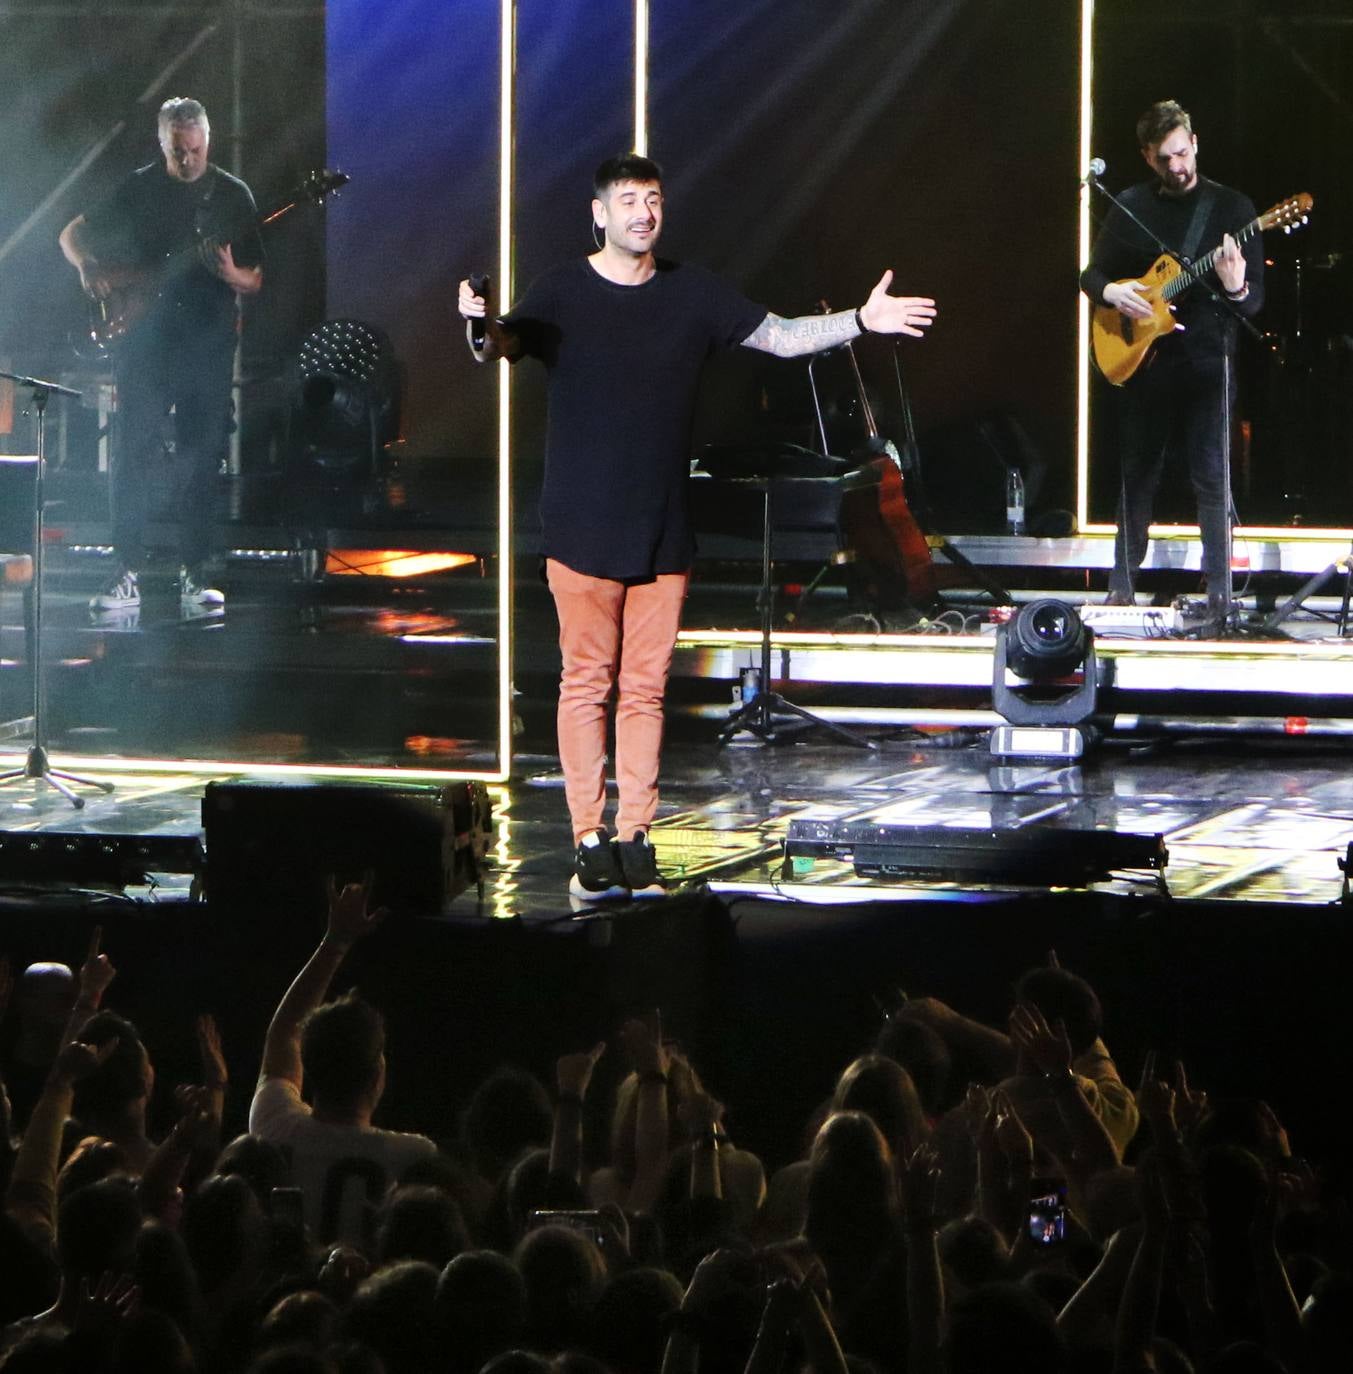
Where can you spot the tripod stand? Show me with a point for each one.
(757, 715)
(36, 765)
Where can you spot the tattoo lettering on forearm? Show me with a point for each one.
(803, 334)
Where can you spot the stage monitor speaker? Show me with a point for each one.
(271, 845)
(17, 482)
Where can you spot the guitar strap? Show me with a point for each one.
(1197, 223)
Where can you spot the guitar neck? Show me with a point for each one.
(1195, 273)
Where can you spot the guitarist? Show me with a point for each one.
(169, 241)
(1180, 392)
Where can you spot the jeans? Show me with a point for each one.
(1179, 400)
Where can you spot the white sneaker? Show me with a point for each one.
(119, 594)
(193, 593)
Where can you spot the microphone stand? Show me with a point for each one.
(36, 765)
(1227, 497)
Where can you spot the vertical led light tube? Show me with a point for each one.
(641, 77)
(1083, 248)
(507, 75)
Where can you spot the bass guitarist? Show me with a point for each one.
(165, 259)
(1184, 391)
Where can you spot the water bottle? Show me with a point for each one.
(1014, 501)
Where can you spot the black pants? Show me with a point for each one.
(160, 369)
(1174, 402)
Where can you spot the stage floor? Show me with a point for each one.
(1269, 823)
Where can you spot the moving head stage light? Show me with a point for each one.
(1045, 642)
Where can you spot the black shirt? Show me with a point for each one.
(624, 364)
(153, 219)
(1122, 251)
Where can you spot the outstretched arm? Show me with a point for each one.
(880, 314)
(349, 920)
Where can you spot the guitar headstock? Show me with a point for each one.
(1288, 214)
(320, 184)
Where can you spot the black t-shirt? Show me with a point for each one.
(624, 364)
(1123, 251)
(153, 219)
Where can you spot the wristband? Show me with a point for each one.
(710, 1140)
(1239, 295)
(860, 324)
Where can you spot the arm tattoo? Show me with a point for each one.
(803, 334)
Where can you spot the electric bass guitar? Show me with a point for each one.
(134, 290)
(1121, 344)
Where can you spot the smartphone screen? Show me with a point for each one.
(588, 1222)
(1047, 1211)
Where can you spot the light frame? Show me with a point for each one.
(641, 31)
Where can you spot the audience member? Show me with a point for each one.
(338, 1049)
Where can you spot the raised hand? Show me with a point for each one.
(573, 1072)
(1190, 1106)
(700, 1113)
(920, 1180)
(349, 918)
(76, 1061)
(113, 1299)
(1155, 1097)
(642, 1040)
(215, 1074)
(1011, 1134)
(885, 314)
(97, 971)
(196, 1118)
(1047, 1047)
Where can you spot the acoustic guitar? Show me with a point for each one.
(1121, 345)
(134, 290)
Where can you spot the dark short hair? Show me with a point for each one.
(341, 1046)
(96, 1228)
(1161, 120)
(119, 1079)
(1062, 996)
(627, 167)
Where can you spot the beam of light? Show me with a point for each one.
(1083, 249)
(391, 562)
(641, 77)
(251, 768)
(507, 72)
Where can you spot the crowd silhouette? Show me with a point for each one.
(967, 1199)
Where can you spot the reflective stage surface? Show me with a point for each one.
(1269, 823)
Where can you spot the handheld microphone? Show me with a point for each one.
(479, 284)
(1096, 170)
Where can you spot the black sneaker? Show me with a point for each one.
(596, 872)
(639, 864)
